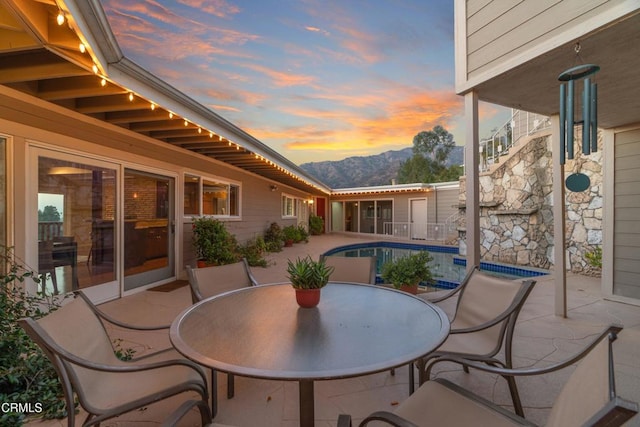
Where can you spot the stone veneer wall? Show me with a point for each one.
(516, 209)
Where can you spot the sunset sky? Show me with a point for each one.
(313, 79)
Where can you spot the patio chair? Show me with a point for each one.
(210, 281)
(588, 398)
(483, 324)
(75, 340)
(352, 269)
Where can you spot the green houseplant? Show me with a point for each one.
(214, 244)
(308, 277)
(316, 225)
(291, 235)
(406, 272)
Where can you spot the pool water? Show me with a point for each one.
(447, 267)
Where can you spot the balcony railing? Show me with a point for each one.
(47, 230)
(416, 231)
(521, 124)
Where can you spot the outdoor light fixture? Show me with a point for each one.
(589, 115)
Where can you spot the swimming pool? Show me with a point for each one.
(447, 266)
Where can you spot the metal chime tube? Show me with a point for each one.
(594, 117)
(563, 127)
(586, 117)
(570, 119)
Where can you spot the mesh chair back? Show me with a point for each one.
(483, 299)
(77, 330)
(352, 269)
(589, 389)
(210, 281)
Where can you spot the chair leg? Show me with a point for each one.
(412, 380)
(515, 396)
(214, 393)
(230, 386)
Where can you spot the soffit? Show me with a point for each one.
(533, 86)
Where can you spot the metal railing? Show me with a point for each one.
(521, 124)
(416, 231)
(47, 230)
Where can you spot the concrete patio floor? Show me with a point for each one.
(540, 339)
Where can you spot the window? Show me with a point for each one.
(204, 196)
(289, 206)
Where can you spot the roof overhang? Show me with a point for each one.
(530, 80)
(46, 60)
(381, 190)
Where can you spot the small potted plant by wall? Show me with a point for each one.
(291, 234)
(406, 272)
(316, 225)
(308, 277)
(214, 244)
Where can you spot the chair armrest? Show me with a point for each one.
(457, 289)
(101, 314)
(612, 330)
(247, 267)
(388, 418)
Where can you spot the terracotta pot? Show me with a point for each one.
(308, 298)
(202, 263)
(411, 289)
(288, 243)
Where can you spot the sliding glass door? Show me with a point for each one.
(76, 224)
(148, 228)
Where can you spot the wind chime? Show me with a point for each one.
(570, 117)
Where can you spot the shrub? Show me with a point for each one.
(274, 238)
(594, 258)
(26, 375)
(292, 233)
(254, 251)
(213, 242)
(316, 225)
(303, 234)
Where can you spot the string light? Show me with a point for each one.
(103, 83)
(60, 17)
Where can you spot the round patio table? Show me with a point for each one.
(261, 332)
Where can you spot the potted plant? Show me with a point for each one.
(291, 234)
(308, 277)
(274, 238)
(406, 272)
(316, 225)
(214, 244)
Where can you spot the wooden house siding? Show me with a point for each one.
(626, 252)
(498, 35)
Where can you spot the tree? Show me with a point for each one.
(49, 214)
(428, 164)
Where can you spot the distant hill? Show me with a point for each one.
(366, 171)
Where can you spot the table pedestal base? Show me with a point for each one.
(307, 408)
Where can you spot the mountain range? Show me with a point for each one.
(366, 171)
